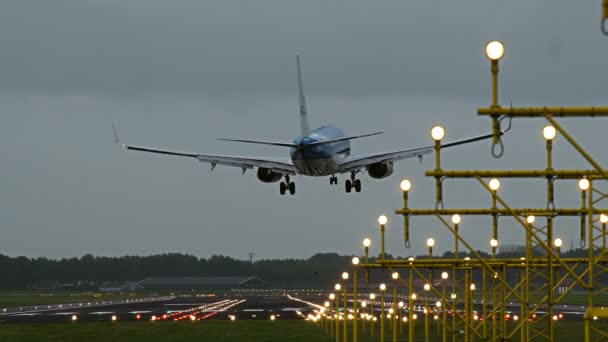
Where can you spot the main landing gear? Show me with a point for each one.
(353, 182)
(287, 186)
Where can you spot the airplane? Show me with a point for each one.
(324, 151)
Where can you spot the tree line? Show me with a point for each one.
(319, 271)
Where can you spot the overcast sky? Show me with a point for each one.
(178, 74)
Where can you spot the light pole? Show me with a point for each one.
(332, 298)
(495, 50)
(338, 287)
(430, 242)
(382, 220)
(401, 304)
(604, 220)
(444, 278)
(438, 133)
(366, 243)
(363, 317)
(493, 244)
(494, 185)
(405, 186)
(382, 289)
(395, 277)
(456, 219)
(427, 288)
(372, 298)
(356, 314)
(326, 305)
(344, 331)
(583, 185)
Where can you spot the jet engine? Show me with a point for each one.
(380, 170)
(268, 176)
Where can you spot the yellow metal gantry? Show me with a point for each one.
(475, 292)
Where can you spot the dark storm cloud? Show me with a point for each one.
(178, 74)
(350, 48)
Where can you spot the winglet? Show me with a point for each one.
(116, 135)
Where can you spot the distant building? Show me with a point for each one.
(200, 283)
(126, 287)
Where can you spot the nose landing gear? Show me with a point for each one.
(333, 180)
(353, 182)
(287, 186)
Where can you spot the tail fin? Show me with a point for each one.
(304, 126)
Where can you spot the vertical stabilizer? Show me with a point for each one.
(304, 126)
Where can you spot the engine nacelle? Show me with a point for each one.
(268, 176)
(380, 170)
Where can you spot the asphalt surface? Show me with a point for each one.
(160, 308)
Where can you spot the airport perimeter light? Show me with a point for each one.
(405, 185)
(437, 133)
(494, 184)
(495, 50)
(583, 184)
(382, 220)
(430, 242)
(549, 133)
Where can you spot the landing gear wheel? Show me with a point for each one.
(292, 188)
(348, 185)
(282, 188)
(333, 180)
(358, 185)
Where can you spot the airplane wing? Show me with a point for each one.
(358, 162)
(275, 164)
(355, 163)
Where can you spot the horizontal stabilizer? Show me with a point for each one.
(323, 142)
(272, 143)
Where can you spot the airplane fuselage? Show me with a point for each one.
(321, 160)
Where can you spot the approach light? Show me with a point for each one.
(401, 304)
(273, 317)
(472, 287)
(549, 133)
(332, 296)
(382, 287)
(437, 133)
(367, 242)
(414, 296)
(326, 304)
(372, 296)
(382, 219)
(338, 287)
(456, 219)
(427, 287)
(345, 275)
(495, 50)
(493, 242)
(74, 318)
(603, 218)
(430, 242)
(114, 318)
(530, 219)
(355, 261)
(583, 184)
(395, 275)
(558, 242)
(363, 304)
(494, 184)
(192, 318)
(405, 185)
(438, 304)
(444, 275)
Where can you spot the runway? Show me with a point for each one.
(167, 308)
